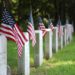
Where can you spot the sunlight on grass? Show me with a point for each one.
(61, 63)
(31, 61)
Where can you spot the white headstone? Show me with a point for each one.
(3, 55)
(24, 61)
(55, 39)
(60, 39)
(71, 32)
(38, 49)
(48, 44)
(65, 36)
(68, 33)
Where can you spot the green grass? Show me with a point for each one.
(12, 58)
(62, 62)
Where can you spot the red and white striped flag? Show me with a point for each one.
(60, 31)
(41, 26)
(11, 30)
(30, 29)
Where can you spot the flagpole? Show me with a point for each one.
(48, 16)
(7, 4)
(3, 2)
(31, 13)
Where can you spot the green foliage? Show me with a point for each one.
(12, 57)
(44, 7)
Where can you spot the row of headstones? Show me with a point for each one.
(52, 42)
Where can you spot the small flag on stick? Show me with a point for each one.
(11, 30)
(41, 26)
(30, 29)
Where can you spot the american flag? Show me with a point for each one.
(11, 30)
(60, 31)
(50, 24)
(30, 29)
(41, 26)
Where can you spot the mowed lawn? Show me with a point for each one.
(62, 62)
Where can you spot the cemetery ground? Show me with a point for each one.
(61, 63)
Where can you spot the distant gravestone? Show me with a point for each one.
(38, 49)
(65, 36)
(24, 61)
(70, 32)
(48, 44)
(3, 55)
(60, 39)
(55, 40)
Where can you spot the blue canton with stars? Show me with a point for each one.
(7, 18)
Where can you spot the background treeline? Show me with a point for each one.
(54, 8)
